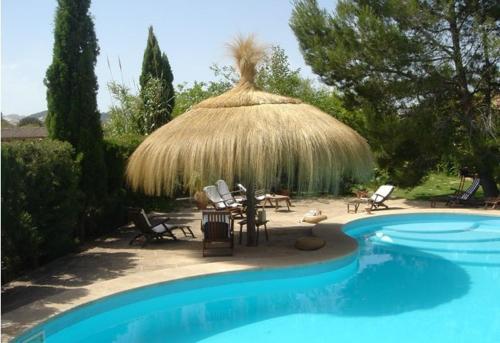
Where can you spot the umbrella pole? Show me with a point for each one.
(251, 204)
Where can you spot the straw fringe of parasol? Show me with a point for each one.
(246, 134)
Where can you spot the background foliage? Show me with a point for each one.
(158, 98)
(423, 73)
(40, 203)
(71, 96)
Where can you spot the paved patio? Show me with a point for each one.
(109, 265)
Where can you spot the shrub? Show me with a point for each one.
(40, 203)
(41, 200)
(116, 152)
(113, 211)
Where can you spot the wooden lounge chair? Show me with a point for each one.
(218, 202)
(218, 232)
(378, 198)
(466, 197)
(154, 227)
(492, 203)
(459, 198)
(260, 194)
(228, 196)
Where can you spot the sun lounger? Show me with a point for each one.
(155, 227)
(260, 195)
(218, 202)
(228, 196)
(465, 197)
(375, 201)
(460, 198)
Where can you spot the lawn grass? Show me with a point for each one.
(434, 185)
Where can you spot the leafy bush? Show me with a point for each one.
(117, 150)
(136, 114)
(40, 203)
(113, 211)
(124, 116)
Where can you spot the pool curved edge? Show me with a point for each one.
(347, 263)
(341, 247)
(340, 250)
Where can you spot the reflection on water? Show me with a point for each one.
(386, 282)
(420, 276)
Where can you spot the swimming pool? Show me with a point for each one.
(417, 278)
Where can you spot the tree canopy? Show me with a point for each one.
(156, 70)
(424, 73)
(71, 93)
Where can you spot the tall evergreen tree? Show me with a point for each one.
(71, 93)
(155, 65)
(424, 72)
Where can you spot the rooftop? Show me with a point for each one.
(23, 133)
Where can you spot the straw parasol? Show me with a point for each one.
(250, 136)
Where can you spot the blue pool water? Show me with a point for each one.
(417, 278)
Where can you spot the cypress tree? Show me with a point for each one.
(155, 64)
(71, 94)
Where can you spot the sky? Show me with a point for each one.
(192, 33)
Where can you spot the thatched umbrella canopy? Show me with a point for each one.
(250, 136)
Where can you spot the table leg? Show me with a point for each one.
(257, 228)
(241, 232)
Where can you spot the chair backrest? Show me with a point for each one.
(260, 194)
(214, 197)
(216, 225)
(224, 192)
(241, 187)
(382, 193)
(140, 219)
(469, 192)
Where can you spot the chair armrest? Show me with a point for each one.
(377, 196)
(158, 220)
(260, 192)
(361, 194)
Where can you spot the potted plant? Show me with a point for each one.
(200, 198)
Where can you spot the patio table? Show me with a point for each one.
(257, 225)
(353, 205)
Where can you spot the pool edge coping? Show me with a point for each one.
(222, 268)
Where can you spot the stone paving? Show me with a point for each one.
(109, 265)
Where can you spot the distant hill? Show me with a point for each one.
(14, 118)
(6, 124)
(39, 115)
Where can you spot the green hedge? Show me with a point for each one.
(40, 203)
(116, 152)
(113, 212)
